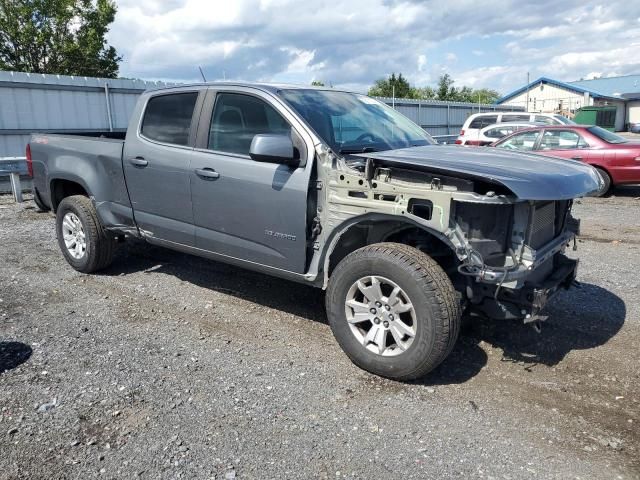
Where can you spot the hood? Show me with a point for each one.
(527, 175)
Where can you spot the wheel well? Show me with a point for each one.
(60, 189)
(369, 232)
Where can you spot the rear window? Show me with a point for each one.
(544, 119)
(167, 118)
(564, 120)
(606, 135)
(483, 121)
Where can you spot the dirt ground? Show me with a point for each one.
(170, 366)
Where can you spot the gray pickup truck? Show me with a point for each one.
(328, 188)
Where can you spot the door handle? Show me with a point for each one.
(207, 173)
(576, 158)
(138, 162)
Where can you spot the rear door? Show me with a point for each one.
(249, 210)
(563, 143)
(156, 161)
(524, 141)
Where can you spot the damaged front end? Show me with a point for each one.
(514, 261)
(508, 252)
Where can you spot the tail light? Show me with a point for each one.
(461, 133)
(458, 142)
(29, 161)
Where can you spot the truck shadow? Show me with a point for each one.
(13, 354)
(580, 319)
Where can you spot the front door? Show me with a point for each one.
(244, 209)
(156, 161)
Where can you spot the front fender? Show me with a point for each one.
(400, 223)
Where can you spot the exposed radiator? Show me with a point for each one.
(543, 225)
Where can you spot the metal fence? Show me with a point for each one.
(58, 103)
(443, 118)
(63, 104)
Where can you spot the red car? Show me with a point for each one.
(616, 158)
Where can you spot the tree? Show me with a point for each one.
(444, 91)
(317, 83)
(425, 93)
(392, 86)
(64, 37)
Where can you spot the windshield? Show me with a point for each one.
(351, 123)
(564, 120)
(606, 135)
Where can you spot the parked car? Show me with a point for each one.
(331, 189)
(634, 127)
(616, 158)
(495, 132)
(478, 121)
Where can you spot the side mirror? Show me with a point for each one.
(274, 148)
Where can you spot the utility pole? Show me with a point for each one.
(393, 96)
(526, 107)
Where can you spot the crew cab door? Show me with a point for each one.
(249, 210)
(156, 161)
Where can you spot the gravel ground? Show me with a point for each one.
(170, 366)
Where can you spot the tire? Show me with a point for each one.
(607, 183)
(38, 201)
(435, 318)
(99, 245)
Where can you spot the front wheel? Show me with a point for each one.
(393, 310)
(85, 244)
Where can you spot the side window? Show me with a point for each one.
(489, 120)
(514, 118)
(521, 141)
(476, 123)
(561, 140)
(499, 132)
(545, 120)
(483, 121)
(237, 118)
(167, 118)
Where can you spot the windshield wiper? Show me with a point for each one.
(359, 150)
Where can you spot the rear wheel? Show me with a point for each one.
(86, 246)
(393, 310)
(607, 183)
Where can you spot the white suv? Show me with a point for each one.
(470, 133)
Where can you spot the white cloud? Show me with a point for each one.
(422, 62)
(354, 42)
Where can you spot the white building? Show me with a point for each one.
(554, 96)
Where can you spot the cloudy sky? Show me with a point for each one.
(352, 43)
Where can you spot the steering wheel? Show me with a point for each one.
(368, 135)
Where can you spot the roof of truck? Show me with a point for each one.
(268, 87)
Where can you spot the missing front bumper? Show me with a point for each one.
(527, 303)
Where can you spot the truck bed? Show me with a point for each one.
(95, 163)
